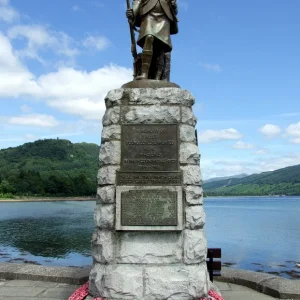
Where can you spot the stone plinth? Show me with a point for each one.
(146, 262)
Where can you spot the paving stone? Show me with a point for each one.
(58, 292)
(29, 298)
(235, 287)
(29, 283)
(22, 292)
(223, 286)
(245, 295)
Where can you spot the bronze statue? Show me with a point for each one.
(157, 21)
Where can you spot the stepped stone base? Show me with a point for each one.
(149, 265)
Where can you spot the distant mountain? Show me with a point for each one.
(52, 167)
(284, 181)
(226, 177)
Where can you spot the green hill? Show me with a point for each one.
(284, 181)
(51, 167)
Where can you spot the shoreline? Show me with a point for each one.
(48, 199)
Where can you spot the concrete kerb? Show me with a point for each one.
(271, 285)
(69, 275)
(268, 284)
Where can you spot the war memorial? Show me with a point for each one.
(149, 241)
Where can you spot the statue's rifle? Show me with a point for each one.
(133, 42)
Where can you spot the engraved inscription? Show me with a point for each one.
(148, 178)
(149, 208)
(150, 147)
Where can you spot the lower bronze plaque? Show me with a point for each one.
(149, 208)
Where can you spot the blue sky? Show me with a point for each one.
(240, 59)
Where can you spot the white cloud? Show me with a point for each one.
(211, 67)
(15, 79)
(69, 90)
(82, 93)
(270, 130)
(212, 168)
(210, 136)
(34, 120)
(262, 151)
(98, 42)
(293, 131)
(242, 145)
(7, 13)
(39, 37)
(25, 108)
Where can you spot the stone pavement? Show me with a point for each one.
(232, 291)
(41, 290)
(31, 290)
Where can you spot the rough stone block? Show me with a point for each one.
(111, 116)
(112, 132)
(191, 175)
(188, 116)
(147, 96)
(123, 282)
(189, 154)
(151, 114)
(106, 194)
(107, 175)
(96, 280)
(187, 133)
(193, 195)
(104, 216)
(195, 217)
(149, 248)
(110, 153)
(103, 242)
(175, 282)
(195, 246)
(114, 97)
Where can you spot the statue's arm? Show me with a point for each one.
(136, 5)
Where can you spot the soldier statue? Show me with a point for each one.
(157, 21)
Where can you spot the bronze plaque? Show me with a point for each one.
(150, 148)
(149, 178)
(149, 208)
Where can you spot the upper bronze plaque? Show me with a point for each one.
(150, 148)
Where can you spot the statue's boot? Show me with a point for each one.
(146, 62)
(160, 63)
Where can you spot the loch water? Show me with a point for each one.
(255, 233)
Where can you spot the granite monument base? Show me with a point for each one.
(149, 242)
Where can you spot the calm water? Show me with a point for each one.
(260, 234)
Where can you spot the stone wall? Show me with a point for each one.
(149, 265)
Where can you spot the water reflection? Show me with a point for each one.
(53, 231)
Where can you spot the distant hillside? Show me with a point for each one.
(226, 177)
(51, 167)
(284, 181)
